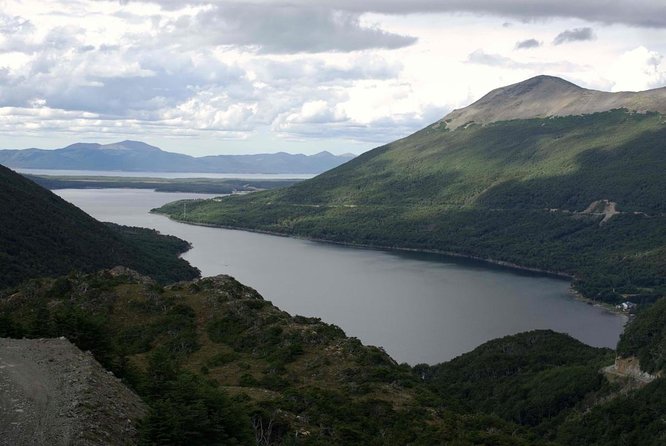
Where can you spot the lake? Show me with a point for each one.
(418, 307)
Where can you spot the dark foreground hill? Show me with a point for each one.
(217, 364)
(577, 194)
(136, 156)
(43, 235)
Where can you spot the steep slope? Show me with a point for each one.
(136, 156)
(582, 195)
(42, 235)
(645, 339)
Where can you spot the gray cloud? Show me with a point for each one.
(114, 81)
(480, 57)
(574, 35)
(15, 33)
(317, 72)
(642, 13)
(277, 29)
(527, 44)
(378, 131)
(494, 60)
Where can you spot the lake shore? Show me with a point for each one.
(575, 294)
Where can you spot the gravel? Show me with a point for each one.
(52, 393)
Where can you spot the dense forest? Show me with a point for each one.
(43, 235)
(579, 195)
(217, 364)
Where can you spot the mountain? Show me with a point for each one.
(43, 235)
(135, 156)
(545, 96)
(580, 195)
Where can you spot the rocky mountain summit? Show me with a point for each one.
(547, 96)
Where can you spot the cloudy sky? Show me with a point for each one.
(213, 77)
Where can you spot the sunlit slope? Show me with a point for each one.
(584, 195)
(43, 235)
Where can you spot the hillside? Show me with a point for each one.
(43, 235)
(217, 364)
(581, 195)
(136, 156)
(645, 338)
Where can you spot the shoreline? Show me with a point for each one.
(575, 294)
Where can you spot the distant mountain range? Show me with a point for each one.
(136, 156)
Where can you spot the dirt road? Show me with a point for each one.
(52, 393)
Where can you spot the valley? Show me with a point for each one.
(421, 308)
(489, 191)
(476, 353)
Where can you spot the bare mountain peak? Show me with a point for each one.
(540, 85)
(130, 145)
(546, 96)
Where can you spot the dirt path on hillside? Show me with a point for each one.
(51, 393)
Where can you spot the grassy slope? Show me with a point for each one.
(488, 191)
(44, 235)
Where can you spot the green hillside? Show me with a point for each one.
(217, 364)
(541, 193)
(43, 235)
(645, 338)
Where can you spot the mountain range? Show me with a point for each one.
(136, 156)
(541, 174)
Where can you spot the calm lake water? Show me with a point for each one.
(419, 307)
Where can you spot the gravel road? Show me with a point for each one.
(52, 394)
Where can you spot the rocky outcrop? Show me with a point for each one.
(52, 393)
(629, 368)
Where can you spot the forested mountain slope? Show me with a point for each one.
(43, 235)
(578, 194)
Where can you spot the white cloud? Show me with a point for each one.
(326, 72)
(638, 69)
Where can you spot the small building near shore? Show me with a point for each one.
(627, 306)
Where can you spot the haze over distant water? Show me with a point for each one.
(420, 308)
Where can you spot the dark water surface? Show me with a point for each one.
(419, 307)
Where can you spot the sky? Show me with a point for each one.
(300, 76)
